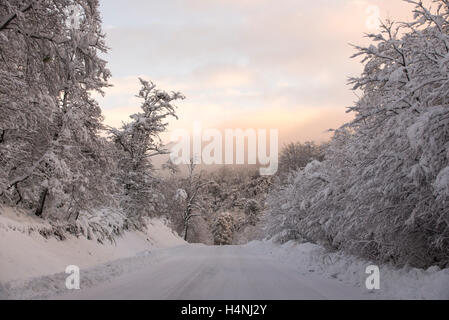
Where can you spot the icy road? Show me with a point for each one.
(229, 272)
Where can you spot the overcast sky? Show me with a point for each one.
(278, 64)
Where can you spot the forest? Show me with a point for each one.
(379, 189)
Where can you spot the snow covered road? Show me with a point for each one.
(228, 272)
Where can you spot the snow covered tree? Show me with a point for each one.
(192, 204)
(50, 147)
(54, 157)
(382, 190)
(252, 211)
(402, 138)
(297, 155)
(138, 141)
(223, 229)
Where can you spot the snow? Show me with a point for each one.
(199, 272)
(157, 264)
(25, 254)
(180, 194)
(396, 76)
(405, 283)
(264, 270)
(442, 182)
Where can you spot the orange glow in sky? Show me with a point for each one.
(242, 64)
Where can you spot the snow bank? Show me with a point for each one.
(405, 283)
(51, 286)
(25, 254)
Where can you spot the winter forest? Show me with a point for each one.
(377, 190)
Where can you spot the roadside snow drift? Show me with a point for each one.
(405, 283)
(26, 254)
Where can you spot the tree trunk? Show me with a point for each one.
(41, 204)
(186, 228)
(20, 196)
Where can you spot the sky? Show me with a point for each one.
(260, 64)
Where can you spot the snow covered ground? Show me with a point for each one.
(198, 272)
(405, 283)
(157, 264)
(263, 270)
(31, 265)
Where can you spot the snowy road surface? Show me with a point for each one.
(229, 272)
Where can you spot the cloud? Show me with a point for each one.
(247, 63)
